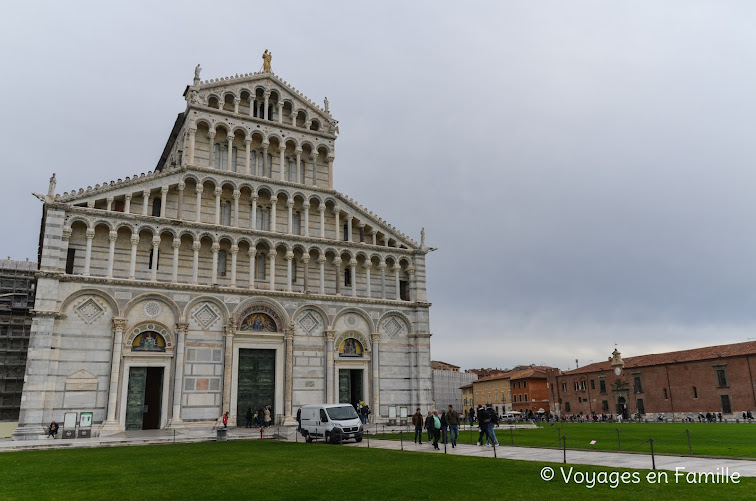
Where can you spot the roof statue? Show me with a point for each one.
(325, 105)
(51, 189)
(267, 56)
(333, 127)
(422, 238)
(197, 70)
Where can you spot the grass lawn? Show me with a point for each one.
(707, 439)
(272, 470)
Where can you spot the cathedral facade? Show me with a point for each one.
(231, 277)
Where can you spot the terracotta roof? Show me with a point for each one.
(466, 386)
(533, 372)
(438, 364)
(706, 353)
(495, 377)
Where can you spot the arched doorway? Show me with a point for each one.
(622, 407)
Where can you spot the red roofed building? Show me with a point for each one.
(677, 384)
(529, 390)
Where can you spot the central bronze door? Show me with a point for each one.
(256, 382)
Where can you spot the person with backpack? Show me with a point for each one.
(483, 421)
(493, 420)
(435, 428)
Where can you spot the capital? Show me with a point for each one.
(199, 189)
(298, 150)
(321, 208)
(164, 189)
(290, 203)
(289, 256)
(192, 131)
(67, 232)
(156, 241)
(211, 134)
(273, 202)
(119, 324)
(252, 252)
(321, 259)
(181, 185)
(110, 200)
(337, 261)
(196, 246)
(266, 94)
(237, 100)
(411, 270)
(230, 138)
(176, 243)
(237, 194)
(128, 196)
(90, 233)
(215, 247)
(305, 259)
(182, 327)
(218, 192)
(234, 249)
(381, 266)
(146, 193)
(247, 142)
(134, 239)
(306, 206)
(375, 337)
(272, 256)
(360, 225)
(112, 236)
(367, 265)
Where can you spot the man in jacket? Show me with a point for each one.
(493, 420)
(435, 428)
(483, 420)
(429, 425)
(417, 422)
(452, 419)
(471, 415)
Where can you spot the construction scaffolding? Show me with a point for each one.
(17, 286)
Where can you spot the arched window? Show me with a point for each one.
(296, 223)
(222, 258)
(291, 170)
(263, 219)
(226, 216)
(293, 270)
(347, 277)
(260, 263)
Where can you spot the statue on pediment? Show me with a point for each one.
(197, 70)
(267, 56)
(325, 106)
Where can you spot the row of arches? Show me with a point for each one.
(258, 102)
(181, 256)
(245, 206)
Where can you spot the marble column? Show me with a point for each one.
(132, 264)
(273, 214)
(111, 424)
(180, 208)
(215, 248)
(175, 245)
(305, 272)
(339, 235)
(368, 265)
(234, 252)
(235, 219)
(228, 339)
(230, 158)
(280, 111)
(127, 204)
(66, 236)
(109, 205)
(155, 247)
(282, 162)
(375, 360)
(192, 132)
(290, 216)
(289, 257)
(195, 260)
(266, 95)
(198, 215)
(329, 393)
(322, 209)
(218, 192)
(337, 265)
(321, 262)
(88, 253)
(253, 213)
(112, 237)
(145, 202)
(252, 254)
(382, 267)
(237, 100)
(353, 266)
(272, 261)
(306, 208)
(247, 159)
(178, 375)
(163, 200)
(211, 154)
(265, 167)
(396, 278)
(289, 377)
(298, 170)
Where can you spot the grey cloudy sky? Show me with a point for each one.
(585, 168)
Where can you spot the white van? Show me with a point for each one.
(332, 422)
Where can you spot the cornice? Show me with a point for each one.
(212, 289)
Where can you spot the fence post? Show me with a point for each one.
(494, 448)
(564, 449)
(511, 435)
(653, 460)
(401, 438)
(368, 440)
(690, 447)
(619, 444)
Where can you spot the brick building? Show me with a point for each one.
(528, 390)
(677, 384)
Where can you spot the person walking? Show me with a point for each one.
(435, 428)
(417, 422)
(299, 419)
(452, 419)
(365, 413)
(248, 417)
(444, 427)
(225, 421)
(471, 415)
(482, 424)
(493, 420)
(429, 425)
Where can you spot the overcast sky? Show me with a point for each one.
(586, 169)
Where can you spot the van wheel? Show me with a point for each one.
(308, 439)
(358, 439)
(328, 437)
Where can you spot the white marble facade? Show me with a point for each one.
(165, 270)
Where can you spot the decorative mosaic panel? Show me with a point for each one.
(309, 322)
(89, 310)
(206, 315)
(152, 309)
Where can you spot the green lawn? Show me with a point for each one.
(272, 470)
(726, 440)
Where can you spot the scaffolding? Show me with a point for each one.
(17, 286)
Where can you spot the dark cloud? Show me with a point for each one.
(585, 168)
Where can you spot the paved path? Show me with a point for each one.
(746, 468)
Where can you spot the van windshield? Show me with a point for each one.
(344, 412)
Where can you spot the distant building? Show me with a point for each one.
(493, 390)
(17, 284)
(528, 390)
(447, 381)
(467, 396)
(443, 366)
(678, 384)
(481, 373)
